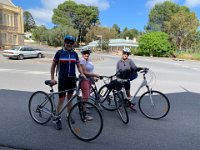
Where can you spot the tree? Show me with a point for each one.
(182, 28)
(162, 13)
(40, 33)
(56, 35)
(117, 28)
(80, 16)
(155, 44)
(106, 33)
(29, 22)
(132, 33)
(175, 20)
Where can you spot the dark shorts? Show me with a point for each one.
(66, 84)
(127, 85)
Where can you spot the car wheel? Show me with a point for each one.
(39, 55)
(20, 57)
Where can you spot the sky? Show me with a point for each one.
(124, 13)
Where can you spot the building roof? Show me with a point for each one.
(116, 42)
(7, 2)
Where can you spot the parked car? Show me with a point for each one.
(21, 52)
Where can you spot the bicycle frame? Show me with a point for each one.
(143, 83)
(76, 95)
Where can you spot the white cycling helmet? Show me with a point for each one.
(127, 50)
(85, 49)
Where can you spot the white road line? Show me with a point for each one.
(5, 70)
(175, 63)
(24, 71)
(38, 72)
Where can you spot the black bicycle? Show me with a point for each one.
(111, 98)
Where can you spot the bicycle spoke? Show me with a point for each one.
(85, 126)
(40, 107)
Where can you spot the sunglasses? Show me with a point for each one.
(86, 52)
(126, 53)
(69, 42)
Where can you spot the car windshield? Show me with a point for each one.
(15, 48)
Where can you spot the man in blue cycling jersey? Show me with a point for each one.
(66, 61)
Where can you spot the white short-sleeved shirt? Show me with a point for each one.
(87, 64)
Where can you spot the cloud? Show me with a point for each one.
(44, 14)
(151, 3)
(192, 3)
(101, 4)
(41, 16)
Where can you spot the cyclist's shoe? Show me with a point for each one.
(88, 118)
(129, 98)
(132, 107)
(58, 124)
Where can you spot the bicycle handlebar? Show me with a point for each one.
(139, 69)
(48, 82)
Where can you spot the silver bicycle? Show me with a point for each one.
(42, 109)
(152, 104)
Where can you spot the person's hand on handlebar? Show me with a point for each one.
(82, 76)
(53, 82)
(141, 68)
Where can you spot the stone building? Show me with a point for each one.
(11, 25)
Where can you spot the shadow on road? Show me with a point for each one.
(180, 126)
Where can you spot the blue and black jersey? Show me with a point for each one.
(66, 62)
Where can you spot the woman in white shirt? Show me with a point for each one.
(87, 68)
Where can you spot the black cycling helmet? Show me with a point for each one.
(69, 38)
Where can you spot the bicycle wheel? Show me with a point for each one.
(107, 98)
(154, 105)
(121, 108)
(40, 107)
(83, 128)
(93, 97)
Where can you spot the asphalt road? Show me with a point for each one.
(179, 130)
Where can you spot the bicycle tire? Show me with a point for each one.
(82, 128)
(40, 107)
(121, 108)
(159, 109)
(106, 97)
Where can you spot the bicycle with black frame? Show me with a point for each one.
(111, 95)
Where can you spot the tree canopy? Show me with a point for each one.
(177, 21)
(162, 13)
(29, 22)
(79, 16)
(155, 44)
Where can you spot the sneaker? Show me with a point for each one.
(132, 107)
(58, 124)
(88, 118)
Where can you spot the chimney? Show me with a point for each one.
(127, 38)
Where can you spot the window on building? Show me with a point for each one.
(12, 20)
(8, 19)
(4, 19)
(14, 39)
(4, 38)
